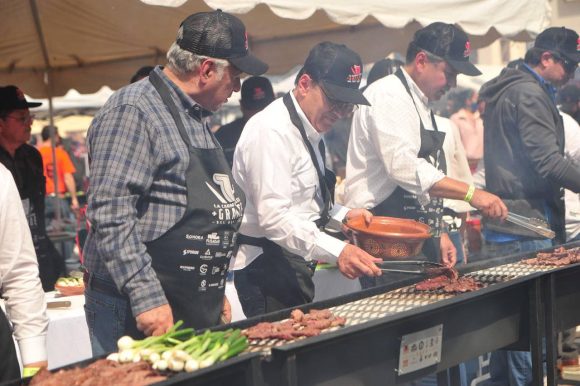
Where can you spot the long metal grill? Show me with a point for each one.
(406, 298)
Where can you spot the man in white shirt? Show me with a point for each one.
(395, 163)
(20, 287)
(279, 164)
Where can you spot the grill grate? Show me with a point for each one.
(406, 298)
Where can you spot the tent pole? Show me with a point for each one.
(53, 137)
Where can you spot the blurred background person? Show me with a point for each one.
(25, 163)
(464, 111)
(336, 140)
(141, 73)
(56, 199)
(64, 168)
(455, 212)
(569, 100)
(257, 93)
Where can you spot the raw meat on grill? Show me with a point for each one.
(299, 324)
(449, 284)
(559, 257)
(100, 373)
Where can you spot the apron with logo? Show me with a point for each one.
(403, 204)
(191, 259)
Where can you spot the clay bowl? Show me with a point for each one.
(389, 238)
(70, 290)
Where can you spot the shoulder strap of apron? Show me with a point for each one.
(326, 196)
(399, 74)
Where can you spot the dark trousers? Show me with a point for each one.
(9, 368)
(50, 263)
(275, 280)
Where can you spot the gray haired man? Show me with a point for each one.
(163, 206)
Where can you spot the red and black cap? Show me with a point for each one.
(562, 40)
(218, 34)
(257, 93)
(448, 42)
(338, 70)
(12, 98)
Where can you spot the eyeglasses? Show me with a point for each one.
(343, 108)
(23, 119)
(569, 66)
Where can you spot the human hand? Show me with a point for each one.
(353, 262)
(448, 251)
(489, 204)
(74, 205)
(156, 321)
(226, 316)
(354, 213)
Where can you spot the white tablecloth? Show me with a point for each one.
(68, 335)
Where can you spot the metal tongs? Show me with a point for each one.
(415, 267)
(535, 225)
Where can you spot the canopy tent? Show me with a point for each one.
(51, 46)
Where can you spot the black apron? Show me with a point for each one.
(191, 259)
(284, 277)
(50, 262)
(403, 204)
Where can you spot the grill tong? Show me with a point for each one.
(535, 225)
(414, 267)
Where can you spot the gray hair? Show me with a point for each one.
(182, 61)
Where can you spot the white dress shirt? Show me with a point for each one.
(273, 167)
(384, 142)
(456, 159)
(19, 282)
(572, 149)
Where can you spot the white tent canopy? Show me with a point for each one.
(50, 46)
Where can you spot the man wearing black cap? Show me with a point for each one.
(279, 163)
(257, 93)
(569, 100)
(25, 163)
(395, 165)
(524, 154)
(163, 207)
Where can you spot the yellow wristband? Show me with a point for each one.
(29, 371)
(469, 195)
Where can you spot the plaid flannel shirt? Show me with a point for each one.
(137, 187)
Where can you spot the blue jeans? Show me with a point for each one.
(108, 318)
(513, 368)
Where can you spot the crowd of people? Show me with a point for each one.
(174, 209)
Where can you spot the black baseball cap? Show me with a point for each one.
(12, 98)
(562, 40)
(448, 42)
(338, 70)
(569, 94)
(218, 34)
(257, 93)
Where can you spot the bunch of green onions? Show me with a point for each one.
(179, 350)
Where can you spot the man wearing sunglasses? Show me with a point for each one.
(524, 157)
(395, 164)
(279, 163)
(25, 163)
